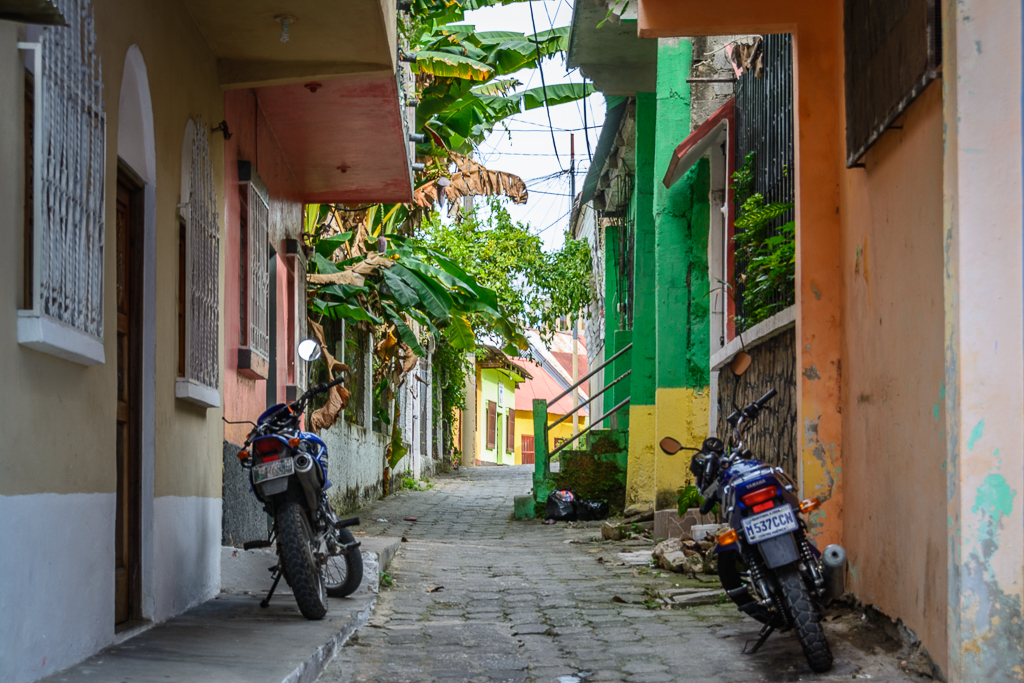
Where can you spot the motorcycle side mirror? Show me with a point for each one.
(670, 445)
(308, 350)
(740, 363)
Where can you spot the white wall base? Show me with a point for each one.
(186, 553)
(57, 593)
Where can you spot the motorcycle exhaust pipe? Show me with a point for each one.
(833, 562)
(304, 470)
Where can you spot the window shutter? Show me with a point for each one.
(492, 423)
(510, 431)
(68, 135)
(202, 254)
(254, 357)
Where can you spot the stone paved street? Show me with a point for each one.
(522, 601)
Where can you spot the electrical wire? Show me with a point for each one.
(543, 84)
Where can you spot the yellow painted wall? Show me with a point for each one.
(682, 414)
(640, 474)
(65, 410)
(524, 425)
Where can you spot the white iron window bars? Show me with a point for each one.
(198, 211)
(254, 356)
(69, 139)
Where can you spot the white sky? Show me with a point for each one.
(530, 153)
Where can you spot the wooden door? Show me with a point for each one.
(492, 422)
(528, 449)
(127, 527)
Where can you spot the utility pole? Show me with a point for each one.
(575, 319)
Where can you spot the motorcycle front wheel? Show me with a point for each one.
(344, 572)
(806, 616)
(294, 544)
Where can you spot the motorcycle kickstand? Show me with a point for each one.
(766, 631)
(277, 577)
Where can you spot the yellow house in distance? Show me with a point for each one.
(497, 377)
(551, 370)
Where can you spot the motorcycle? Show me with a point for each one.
(317, 554)
(766, 563)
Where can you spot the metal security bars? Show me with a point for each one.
(69, 147)
(764, 126)
(202, 250)
(257, 269)
(596, 421)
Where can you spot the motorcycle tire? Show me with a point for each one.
(344, 573)
(730, 574)
(301, 568)
(806, 617)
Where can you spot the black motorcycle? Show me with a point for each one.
(317, 554)
(766, 563)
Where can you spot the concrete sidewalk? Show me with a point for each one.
(230, 638)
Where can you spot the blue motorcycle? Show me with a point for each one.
(766, 563)
(317, 554)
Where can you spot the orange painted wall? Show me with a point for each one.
(871, 442)
(894, 472)
(245, 398)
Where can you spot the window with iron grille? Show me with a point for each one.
(64, 236)
(254, 273)
(199, 290)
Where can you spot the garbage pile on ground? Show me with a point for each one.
(564, 505)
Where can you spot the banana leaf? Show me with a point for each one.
(556, 94)
(457, 66)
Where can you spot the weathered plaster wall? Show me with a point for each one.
(67, 411)
(682, 220)
(983, 339)
(893, 414)
(641, 483)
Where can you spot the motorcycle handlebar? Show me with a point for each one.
(772, 393)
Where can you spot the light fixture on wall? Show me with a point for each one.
(286, 21)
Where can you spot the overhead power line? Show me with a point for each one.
(543, 84)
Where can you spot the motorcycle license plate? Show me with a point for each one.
(776, 522)
(272, 470)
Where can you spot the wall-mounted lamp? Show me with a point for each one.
(417, 166)
(286, 21)
(412, 102)
(407, 57)
(222, 128)
(418, 138)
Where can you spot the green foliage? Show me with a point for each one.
(770, 258)
(458, 70)
(688, 497)
(533, 288)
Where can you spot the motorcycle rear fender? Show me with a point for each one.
(779, 551)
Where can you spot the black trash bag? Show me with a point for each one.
(561, 505)
(589, 510)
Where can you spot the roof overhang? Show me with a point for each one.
(329, 91)
(612, 56)
(610, 128)
(712, 132)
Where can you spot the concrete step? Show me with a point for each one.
(231, 639)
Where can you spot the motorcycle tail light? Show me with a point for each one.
(810, 505)
(767, 505)
(268, 449)
(759, 496)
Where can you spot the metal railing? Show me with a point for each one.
(615, 409)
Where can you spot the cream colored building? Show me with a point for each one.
(118, 214)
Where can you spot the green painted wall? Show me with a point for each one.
(642, 384)
(682, 219)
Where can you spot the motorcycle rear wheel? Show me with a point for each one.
(344, 573)
(294, 544)
(806, 616)
(731, 570)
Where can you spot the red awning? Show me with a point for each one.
(711, 132)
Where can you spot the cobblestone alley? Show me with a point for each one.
(478, 597)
